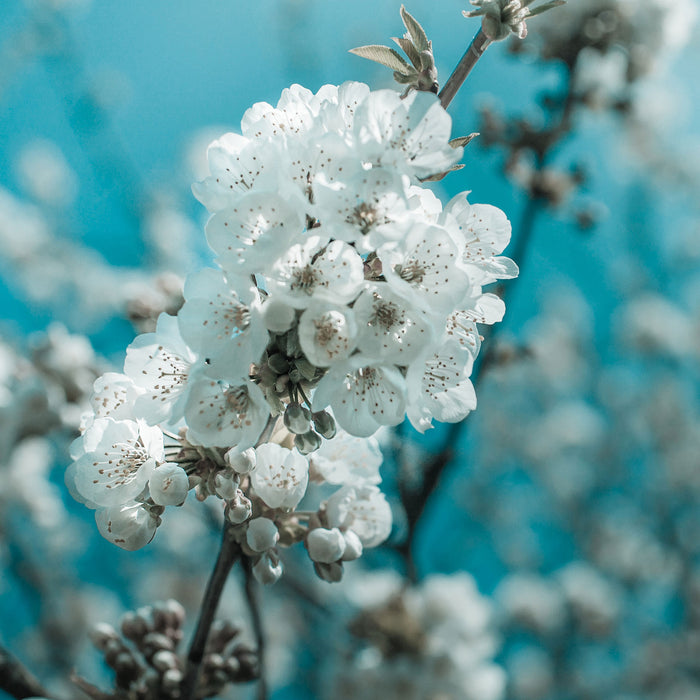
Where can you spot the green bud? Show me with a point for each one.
(297, 418)
(324, 424)
(307, 442)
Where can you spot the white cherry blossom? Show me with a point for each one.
(113, 396)
(363, 396)
(411, 135)
(347, 459)
(236, 164)
(254, 231)
(368, 208)
(327, 333)
(391, 328)
(423, 268)
(280, 476)
(219, 413)
(118, 459)
(439, 386)
(160, 364)
(362, 509)
(222, 321)
(312, 270)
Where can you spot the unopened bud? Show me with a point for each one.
(308, 442)
(267, 569)
(163, 660)
(241, 462)
(325, 546)
(101, 634)
(329, 572)
(353, 546)
(278, 316)
(324, 423)
(297, 418)
(238, 509)
(226, 484)
(172, 679)
(262, 534)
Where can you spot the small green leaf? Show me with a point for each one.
(404, 79)
(547, 6)
(410, 50)
(463, 140)
(417, 33)
(306, 369)
(439, 176)
(384, 55)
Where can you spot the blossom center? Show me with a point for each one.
(304, 279)
(125, 460)
(412, 272)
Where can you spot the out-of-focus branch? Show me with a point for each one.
(229, 552)
(16, 680)
(253, 604)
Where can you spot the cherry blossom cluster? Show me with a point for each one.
(346, 298)
(437, 639)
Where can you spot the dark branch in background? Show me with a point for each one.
(415, 496)
(251, 595)
(16, 680)
(228, 554)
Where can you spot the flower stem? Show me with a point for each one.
(256, 618)
(474, 52)
(16, 680)
(228, 553)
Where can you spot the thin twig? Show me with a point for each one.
(256, 618)
(229, 552)
(474, 52)
(15, 678)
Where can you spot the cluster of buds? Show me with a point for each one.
(143, 655)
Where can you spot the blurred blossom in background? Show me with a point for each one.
(559, 555)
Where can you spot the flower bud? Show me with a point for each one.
(329, 572)
(308, 442)
(278, 316)
(297, 418)
(133, 626)
(325, 546)
(172, 679)
(241, 462)
(324, 423)
(262, 534)
(226, 484)
(101, 634)
(238, 509)
(353, 546)
(169, 485)
(268, 568)
(129, 526)
(164, 659)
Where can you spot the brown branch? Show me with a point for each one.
(474, 52)
(256, 618)
(229, 552)
(15, 678)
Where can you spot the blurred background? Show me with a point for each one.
(558, 554)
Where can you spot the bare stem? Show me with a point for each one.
(474, 52)
(256, 618)
(16, 680)
(228, 553)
